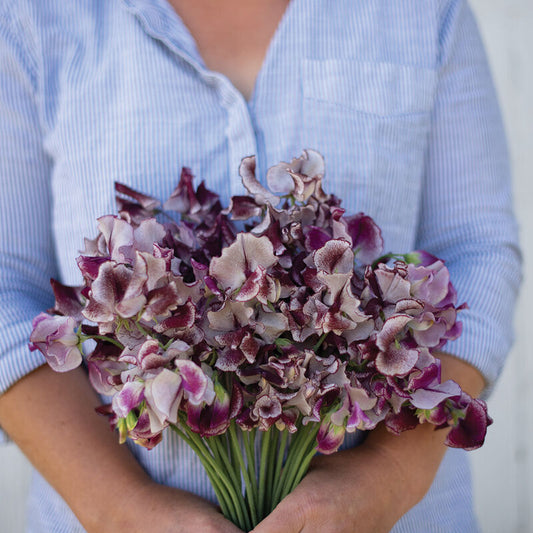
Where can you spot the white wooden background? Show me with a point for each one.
(503, 468)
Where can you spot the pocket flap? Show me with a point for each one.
(384, 89)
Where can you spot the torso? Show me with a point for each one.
(229, 37)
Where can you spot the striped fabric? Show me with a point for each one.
(397, 96)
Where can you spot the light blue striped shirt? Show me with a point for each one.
(396, 95)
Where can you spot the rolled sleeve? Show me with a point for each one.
(467, 215)
(26, 247)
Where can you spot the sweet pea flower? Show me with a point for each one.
(247, 256)
(56, 338)
(301, 178)
(214, 419)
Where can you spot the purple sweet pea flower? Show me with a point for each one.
(246, 255)
(395, 358)
(330, 436)
(214, 419)
(367, 241)
(56, 338)
(128, 398)
(470, 430)
(164, 393)
(301, 178)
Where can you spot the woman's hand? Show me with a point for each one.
(369, 488)
(364, 490)
(52, 418)
(160, 509)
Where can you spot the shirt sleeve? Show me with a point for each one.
(27, 259)
(466, 215)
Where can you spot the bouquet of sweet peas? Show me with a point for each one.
(259, 347)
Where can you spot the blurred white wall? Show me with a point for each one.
(503, 468)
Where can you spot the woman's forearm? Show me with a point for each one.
(416, 454)
(52, 419)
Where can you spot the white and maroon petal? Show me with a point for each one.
(251, 286)
(261, 195)
(258, 251)
(426, 377)
(274, 324)
(267, 407)
(118, 235)
(68, 300)
(398, 422)
(129, 397)
(392, 327)
(146, 202)
(150, 356)
(95, 247)
(148, 233)
(249, 347)
(243, 208)
(195, 382)
(133, 300)
(396, 361)
(89, 265)
(161, 302)
(183, 199)
(409, 306)
(104, 375)
(229, 269)
(182, 317)
(156, 268)
(393, 287)
(335, 256)
(230, 315)
(103, 295)
(179, 349)
(163, 394)
(336, 323)
(229, 359)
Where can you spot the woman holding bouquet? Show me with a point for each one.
(400, 103)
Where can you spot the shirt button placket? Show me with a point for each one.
(239, 132)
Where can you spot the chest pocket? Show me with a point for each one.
(371, 123)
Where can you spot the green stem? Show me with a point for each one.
(265, 443)
(218, 474)
(218, 447)
(249, 447)
(320, 341)
(271, 463)
(237, 452)
(279, 462)
(304, 466)
(298, 466)
(232, 453)
(297, 448)
(220, 452)
(224, 500)
(84, 338)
